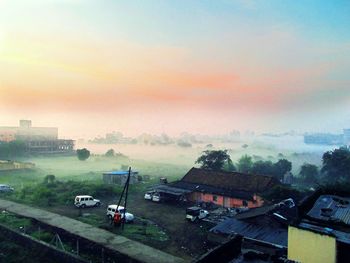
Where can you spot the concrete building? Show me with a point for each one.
(324, 139)
(26, 132)
(41, 140)
(346, 136)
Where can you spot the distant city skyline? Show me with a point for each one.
(205, 67)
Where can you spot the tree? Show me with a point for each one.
(49, 179)
(309, 173)
(281, 167)
(110, 153)
(336, 165)
(214, 160)
(281, 192)
(16, 148)
(245, 164)
(229, 166)
(12, 149)
(83, 154)
(263, 168)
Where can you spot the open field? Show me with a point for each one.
(160, 225)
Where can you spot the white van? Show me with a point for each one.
(86, 201)
(111, 211)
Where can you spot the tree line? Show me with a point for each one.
(221, 160)
(12, 149)
(335, 166)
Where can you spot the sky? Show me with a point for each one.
(91, 67)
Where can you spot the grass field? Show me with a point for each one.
(70, 168)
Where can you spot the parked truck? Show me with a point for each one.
(195, 213)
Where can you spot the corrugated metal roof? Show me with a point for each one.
(170, 190)
(332, 209)
(264, 230)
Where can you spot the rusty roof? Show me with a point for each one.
(230, 180)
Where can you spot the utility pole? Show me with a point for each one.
(125, 191)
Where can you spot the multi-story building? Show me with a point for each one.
(37, 139)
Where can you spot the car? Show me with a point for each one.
(149, 195)
(6, 188)
(156, 197)
(111, 209)
(82, 201)
(195, 213)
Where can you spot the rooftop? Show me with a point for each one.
(265, 229)
(230, 180)
(329, 215)
(169, 189)
(331, 209)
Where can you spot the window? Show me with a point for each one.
(90, 199)
(244, 203)
(215, 198)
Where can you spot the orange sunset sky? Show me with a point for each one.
(91, 67)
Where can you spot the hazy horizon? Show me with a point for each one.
(90, 68)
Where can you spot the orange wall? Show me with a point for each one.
(230, 202)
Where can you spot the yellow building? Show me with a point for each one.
(310, 247)
(323, 233)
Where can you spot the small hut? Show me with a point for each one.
(120, 177)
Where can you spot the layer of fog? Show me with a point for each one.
(270, 148)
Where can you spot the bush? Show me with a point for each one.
(44, 195)
(83, 154)
(110, 153)
(281, 192)
(43, 236)
(64, 192)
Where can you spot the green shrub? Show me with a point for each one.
(43, 236)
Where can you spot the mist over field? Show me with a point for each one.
(259, 147)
